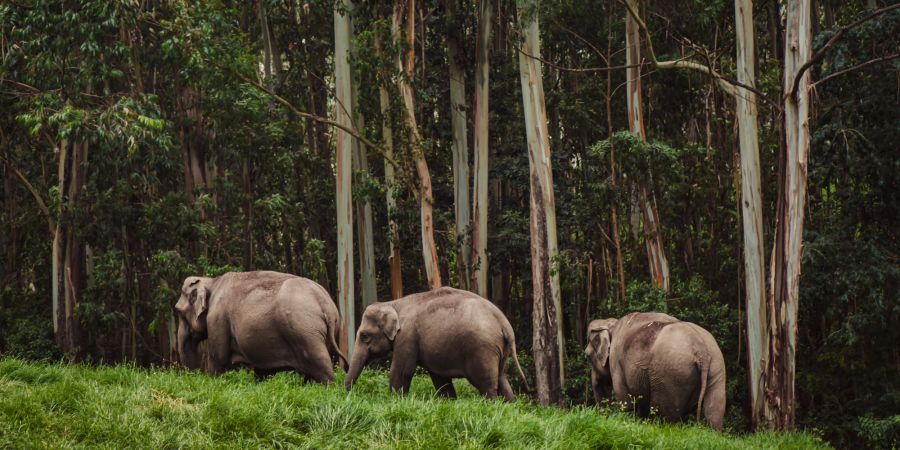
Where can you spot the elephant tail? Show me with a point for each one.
(511, 342)
(704, 375)
(330, 331)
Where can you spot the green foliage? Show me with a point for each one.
(58, 405)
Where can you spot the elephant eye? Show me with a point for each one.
(193, 297)
(364, 337)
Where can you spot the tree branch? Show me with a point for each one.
(858, 66)
(837, 35)
(34, 193)
(574, 69)
(728, 85)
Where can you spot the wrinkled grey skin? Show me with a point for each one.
(660, 362)
(268, 321)
(449, 332)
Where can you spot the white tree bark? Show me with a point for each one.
(482, 111)
(751, 204)
(548, 343)
(343, 162)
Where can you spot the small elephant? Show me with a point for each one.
(449, 332)
(268, 321)
(660, 362)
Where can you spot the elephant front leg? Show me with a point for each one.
(218, 355)
(403, 367)
(444, 386)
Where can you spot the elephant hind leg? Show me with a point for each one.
(317, 365)
(505, 389)
(714, 405)
(444, 386)
(485, 377)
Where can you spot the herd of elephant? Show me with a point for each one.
(271, 321)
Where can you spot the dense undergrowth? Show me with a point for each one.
(62, 406)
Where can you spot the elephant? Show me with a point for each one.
(268, 321)
(654, 360)
(449, 332)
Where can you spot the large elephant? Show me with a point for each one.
(655, 360)
(449, 332)
(268, 321)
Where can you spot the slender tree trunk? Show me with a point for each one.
(343, 162)
(58, 282)
(425, 197)
(548, 344)
(656, 254)
(614, 216)
(247, 187)
(751, 205)
(460, 145)
(363, 206)
(479, 263)
(387, 134)
(787, 255)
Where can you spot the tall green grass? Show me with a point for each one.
(65, 406)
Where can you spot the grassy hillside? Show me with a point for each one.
(58, 406)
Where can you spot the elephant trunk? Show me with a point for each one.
(187, 346)
(356, 366)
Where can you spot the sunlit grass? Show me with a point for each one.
(63, 406)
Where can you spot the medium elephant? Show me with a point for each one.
(655, 360)
(449, 332)
(268, 321)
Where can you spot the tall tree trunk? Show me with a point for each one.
(56, 281)
(343, 161)
(387, 134)
(458, 107)
(548, 344)
(363, 206)
(751, 205)
(425, 197)
(656, 252)
(479, 262)
(788, 252)
(614, 216)
(247, 187)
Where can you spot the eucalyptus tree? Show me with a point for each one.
(548, 344)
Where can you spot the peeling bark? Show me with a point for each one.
(548, 343)
(460, 146)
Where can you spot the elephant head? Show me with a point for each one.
(599, 339)
(192, 307)
(374, 339)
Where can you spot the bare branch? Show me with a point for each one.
(837, 35)
(34, 193)
(858, 66)
(573, 69)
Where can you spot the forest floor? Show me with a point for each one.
(65, 406)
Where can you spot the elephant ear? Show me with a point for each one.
(201, 303)
(598, 341)
(390, 323)
(601, 343)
